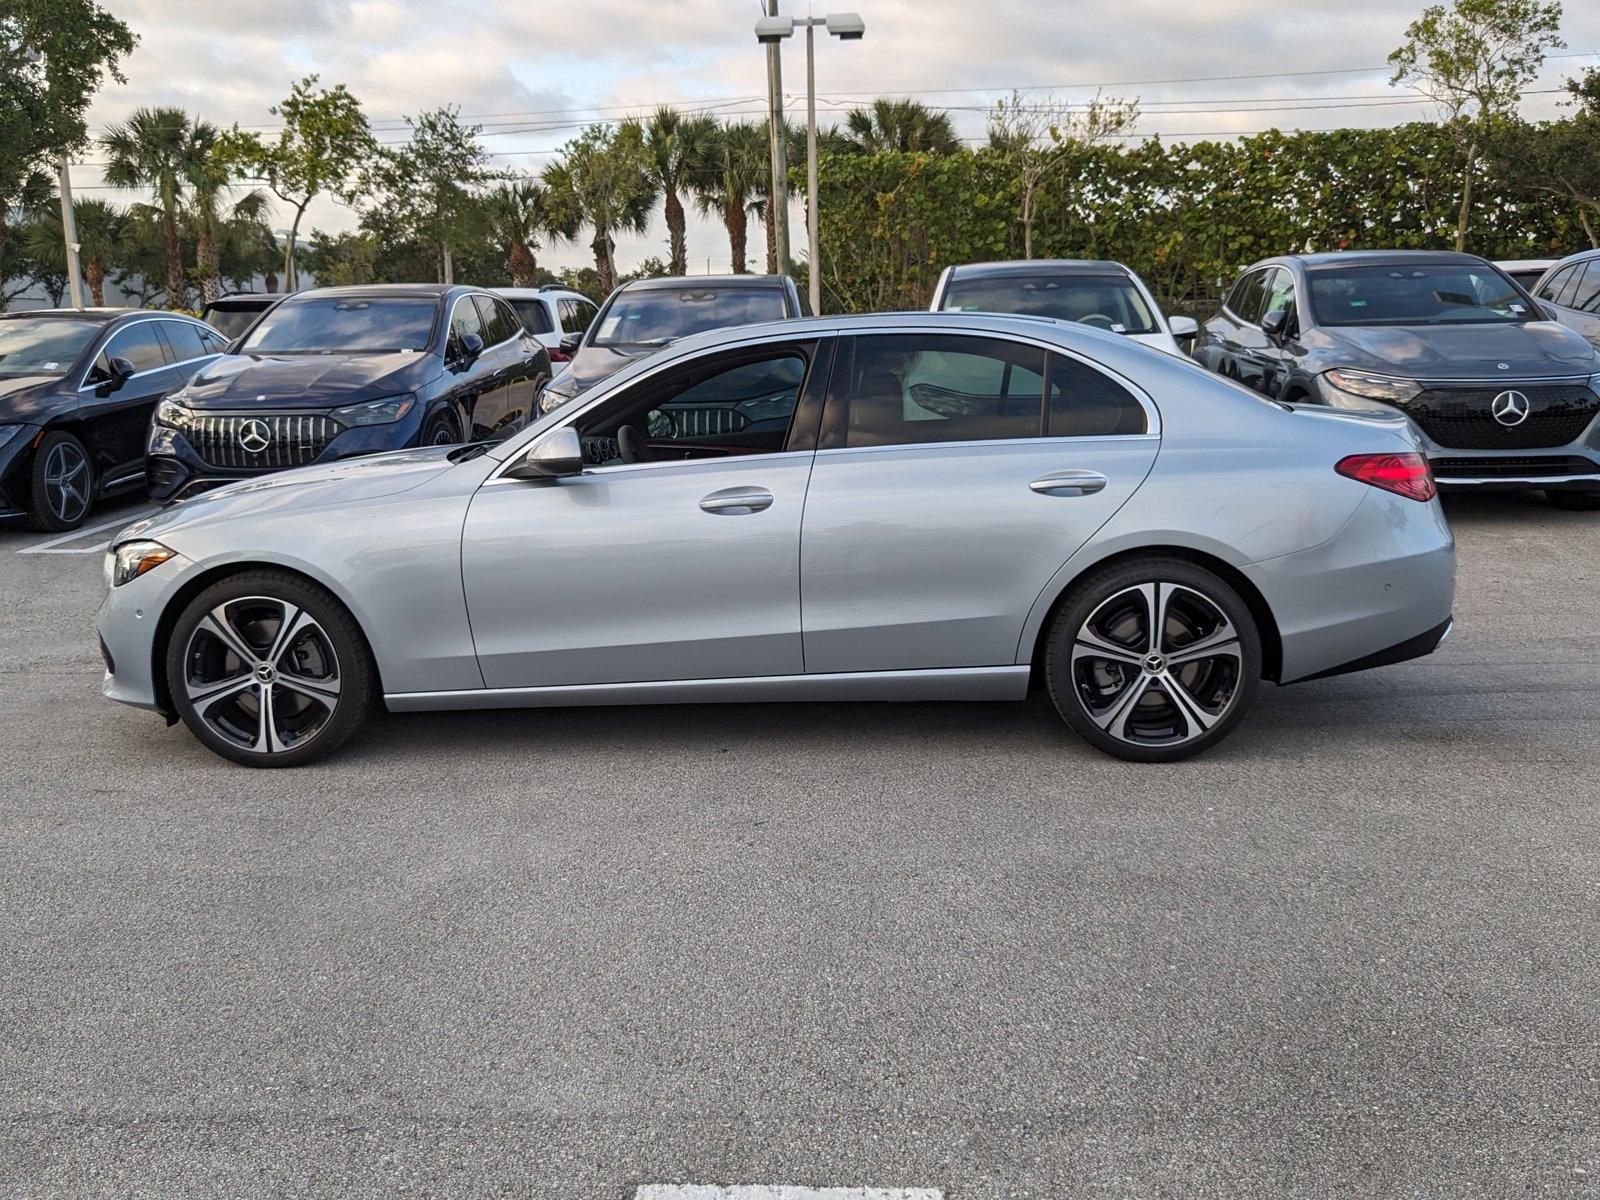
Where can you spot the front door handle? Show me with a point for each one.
(1069, 483)
(734, 502)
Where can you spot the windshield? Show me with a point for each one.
(43, 345)
(1103, 301)
(1413, 294)
(231, 322)
(344, 325)
(653, 316)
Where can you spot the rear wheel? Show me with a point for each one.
(269, 670)
(1575, 501)
(1153, 660)
(62, 483)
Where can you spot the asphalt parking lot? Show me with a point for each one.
(567, 954)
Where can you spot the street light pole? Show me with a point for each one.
(778, 194)
(69, 231)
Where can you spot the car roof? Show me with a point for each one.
(1379, 258)
(387, 289)
(1577, 256)
(521, 293)
(1035, 266)
(99, 316)
(685, 282)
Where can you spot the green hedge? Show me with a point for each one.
(1185, 216)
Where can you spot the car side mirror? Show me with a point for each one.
(557, 454)
(1183, 329)
(118, 371)
(471, 346)
(570, 343)
(1276, 323)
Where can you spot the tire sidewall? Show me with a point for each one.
(41, 515)
(443, 419)
(1087, 595)
(355, 664)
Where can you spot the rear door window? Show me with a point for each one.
(575, 315)
(1248, 299)
(1586, 293)
(185, 339)
(1555, 283)
(534, 315)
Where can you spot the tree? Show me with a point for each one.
(105, 238)
(160, 149)
(906, 125)
(734, 184)
(324, 140)
(210, 179)
(1473, 59)
(603, 181)
(677, 149)
(54, 55)
(344, 259)
(1559, 158)
(428, 186)
(521, 212)
(1043, 139)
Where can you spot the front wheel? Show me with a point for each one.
(62, 483)
(1153, 660)
(1574, 501)
(269, 670)
(441, 430)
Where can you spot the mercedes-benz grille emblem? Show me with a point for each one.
(254, 436)
(1510, 408)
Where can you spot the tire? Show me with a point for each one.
(221, 659)
(442, 429)
(1575, 501)
(61, 483)
(1135, 705)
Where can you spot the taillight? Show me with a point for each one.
(1405, 475)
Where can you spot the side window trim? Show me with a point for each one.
(1558, 281)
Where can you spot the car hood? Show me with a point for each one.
(347, 481)
(29, 398)
(1531, 348)
(247, 381)
(594, 363)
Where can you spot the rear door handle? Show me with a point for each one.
(734, 502)
(1069, 483)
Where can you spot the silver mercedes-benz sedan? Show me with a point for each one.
(919, 506)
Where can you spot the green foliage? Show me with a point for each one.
(1187, 217)
(907, 125)
(604, 181)
(163, 150)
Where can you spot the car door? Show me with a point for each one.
(682, 564)
(117, 413)
(955, 474)
(1225, 330)
(522, 364)
(478, 381)
(1272, 361)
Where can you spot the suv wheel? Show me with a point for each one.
(1153, 660)
(269, 670)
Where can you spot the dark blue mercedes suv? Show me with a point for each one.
(336, 372)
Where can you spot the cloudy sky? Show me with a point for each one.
(532, 72)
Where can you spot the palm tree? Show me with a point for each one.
(521, 212)
(678, 149)
(734, 183)
(105, 239)
(159, 148)
(899, 125)
(603, 181)
(210, 178)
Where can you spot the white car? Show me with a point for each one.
(556, 316)
(1105, 295)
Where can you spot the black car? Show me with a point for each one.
(76, 392)
(642, 316)
(232, 314)
(1502, 396)
(336, 372)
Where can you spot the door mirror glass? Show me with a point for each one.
(1184, 329)
(570, 343)
(557, 454)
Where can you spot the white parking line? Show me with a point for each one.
(703, 1191)
(57, 545)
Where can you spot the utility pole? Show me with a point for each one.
(778, 194)
(69, 230)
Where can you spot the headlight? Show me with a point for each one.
(1388, 388)
(132, 559)
(375, 412)
(7, 432)
(557, 394)
(173, 414)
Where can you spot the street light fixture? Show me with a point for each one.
(771, 30)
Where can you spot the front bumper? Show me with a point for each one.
(128, 623)
(175, 470)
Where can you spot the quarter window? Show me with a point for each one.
(1086, 403)
(908, 389)
(1586, 295)
(185, 339)
(1555, 283)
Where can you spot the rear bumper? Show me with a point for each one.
(1423, 644)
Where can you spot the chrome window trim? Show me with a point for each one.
(177, 319)
(986, 443)
(498, 480)
(450, 322)
(83, 381)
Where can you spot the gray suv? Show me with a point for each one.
(1502, 396)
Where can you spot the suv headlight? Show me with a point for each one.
(374, 412)
(173, 414)
(132, 559)
(1390, 389)
(559, 391)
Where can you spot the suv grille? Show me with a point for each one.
(1459, 417)
(1543, 467)
(265, 443)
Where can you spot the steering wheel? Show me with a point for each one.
(1097, 320)
(632, 447)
